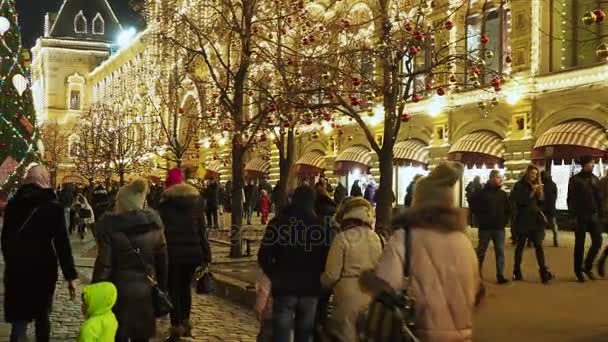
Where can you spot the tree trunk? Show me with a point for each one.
(121, 175)
(384, 205)
(286, 160)
(236, 243)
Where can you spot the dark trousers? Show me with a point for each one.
(592, 226)
(180, 280)
(497, 236)
(43, 330)
(212, 217)
(537, 240)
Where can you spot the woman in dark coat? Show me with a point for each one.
(188, 248)
(34, 240)
(355, 190)
(120, 234)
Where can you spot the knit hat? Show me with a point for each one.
(174, 176)
(355, 208)
(437, 189)
(132, 196)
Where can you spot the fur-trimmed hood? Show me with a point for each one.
(432, 218)
(138, 221)
(181, 196)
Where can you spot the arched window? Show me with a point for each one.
(99, 25)
(75, 91)
(80, 23)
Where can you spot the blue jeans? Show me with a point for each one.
(293, 313)
(497, 236)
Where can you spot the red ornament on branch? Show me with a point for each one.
(356, 82)
(406, 117)
(440, 91)
(416, 98)
(419, 35)
(485, 39)
(428, 86)
(413, 51)
(408, 27)
(599, 16)
(449, 25)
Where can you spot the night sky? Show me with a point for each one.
(31, 16)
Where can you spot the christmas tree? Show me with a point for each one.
(18, 132)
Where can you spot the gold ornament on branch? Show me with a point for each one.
(589, 18)
(602, 51)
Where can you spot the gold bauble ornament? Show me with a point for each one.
(589, 18)
(473, 77)
(481, 105)
(477, 84)
(495, 101)
(602, 51)
(489, 54)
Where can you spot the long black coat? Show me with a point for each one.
(550, 191)
(492, 207)
(212, 196)
(31, 256)
(584, 195)
(117, 262)
(527, 209)
(182, 215)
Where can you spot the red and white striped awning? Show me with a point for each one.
(411, 150)
(575, 133)
(260, 165)
(355, 154)
(214, 166)
(484, 142)
(314, 158)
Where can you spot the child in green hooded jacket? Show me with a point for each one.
(97, 302)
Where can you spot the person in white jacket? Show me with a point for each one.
(354, 250)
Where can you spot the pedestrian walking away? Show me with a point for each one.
(34, 241)
(443, 267)
(491, 206)
(132, 248)
(527, 195)
(212, 197)
(584, 205)
(473, 188)
(340, 193)
(549, 209)
(188, 248)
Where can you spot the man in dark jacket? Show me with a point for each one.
(251, 197)
(471, 190)
(101, 201)
(584, 205)
(355, 190)
(295, 237)
(212, 200)
(527, 195)
(550, 192)
(492, 209)
(340, 193)
(34, 242)
(187, 247)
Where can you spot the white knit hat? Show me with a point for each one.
(438, 188)
(355, 208)
(132, 196)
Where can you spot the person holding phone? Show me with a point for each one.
(527, 195)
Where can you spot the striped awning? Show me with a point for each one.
(314, 158)
(355, 154)
(411, 150)
(259, 165)
(484, 142)
(575, 133)
(214, 166)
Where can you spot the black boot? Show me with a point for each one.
(502, 280)
(546, 276)
(517, 276)
(175, 333)
(601, 267)
(580, 277)
(589, 274)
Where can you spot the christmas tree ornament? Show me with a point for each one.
(489, 54)
(20, 83)
(449, 25)
(406, 117)
(416, 98)
(589, 18)
(481, 105)
(599, 16)
(485, 39)
(602, 51)
(5, 25)
(440, 91)
(495, 101)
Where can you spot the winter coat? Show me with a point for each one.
(352, 252)
(326, 209)
(550, 192)
(527, 207)
(101, 324)
(118, 235)
(370, 194)
(472, 188)
(101, 202)
(66, 196)
(603, 187)
(340, 193)
(492, 208)
(445, 278)
(584, 194)
(409, 194)
(32, 251)
(289, 240)
(212, 196)
(251, 195)
(182, 215)
(265, 204)
(355, 190)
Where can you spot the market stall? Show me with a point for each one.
(410, 158)
(353, 164)
(310, 166)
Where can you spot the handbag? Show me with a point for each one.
(391, 316)
(205, 282)
(160, 299)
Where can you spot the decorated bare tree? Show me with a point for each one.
(56, 144)
(87, 151)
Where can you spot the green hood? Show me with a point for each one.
(99, 298)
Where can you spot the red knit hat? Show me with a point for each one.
(174, 176)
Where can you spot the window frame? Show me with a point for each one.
(98, 18)
(80, 19)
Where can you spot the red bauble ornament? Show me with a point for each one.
(449, 25)
(418, 35)
(181, 110)
(286, 124)
(327, 117)
(413, 51)
(354, 101)
(599, 16)
(406, 117)
(356, 82)
(428, 86)
(485, 39)
(408, 27)
(263, 137)
(495, 82)
(440, 91)
(416, 98)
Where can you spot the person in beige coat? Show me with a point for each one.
(445, 280)
(355, 250)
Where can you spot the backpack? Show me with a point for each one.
(391, 316)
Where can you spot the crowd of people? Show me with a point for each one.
(321, 263)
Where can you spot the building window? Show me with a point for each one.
(493, 23)
(73, 146)
(99, 25)
(573, 43)
(80, 23)
(75, 100)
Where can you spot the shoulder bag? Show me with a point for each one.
(160, 299)
(391, 316)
